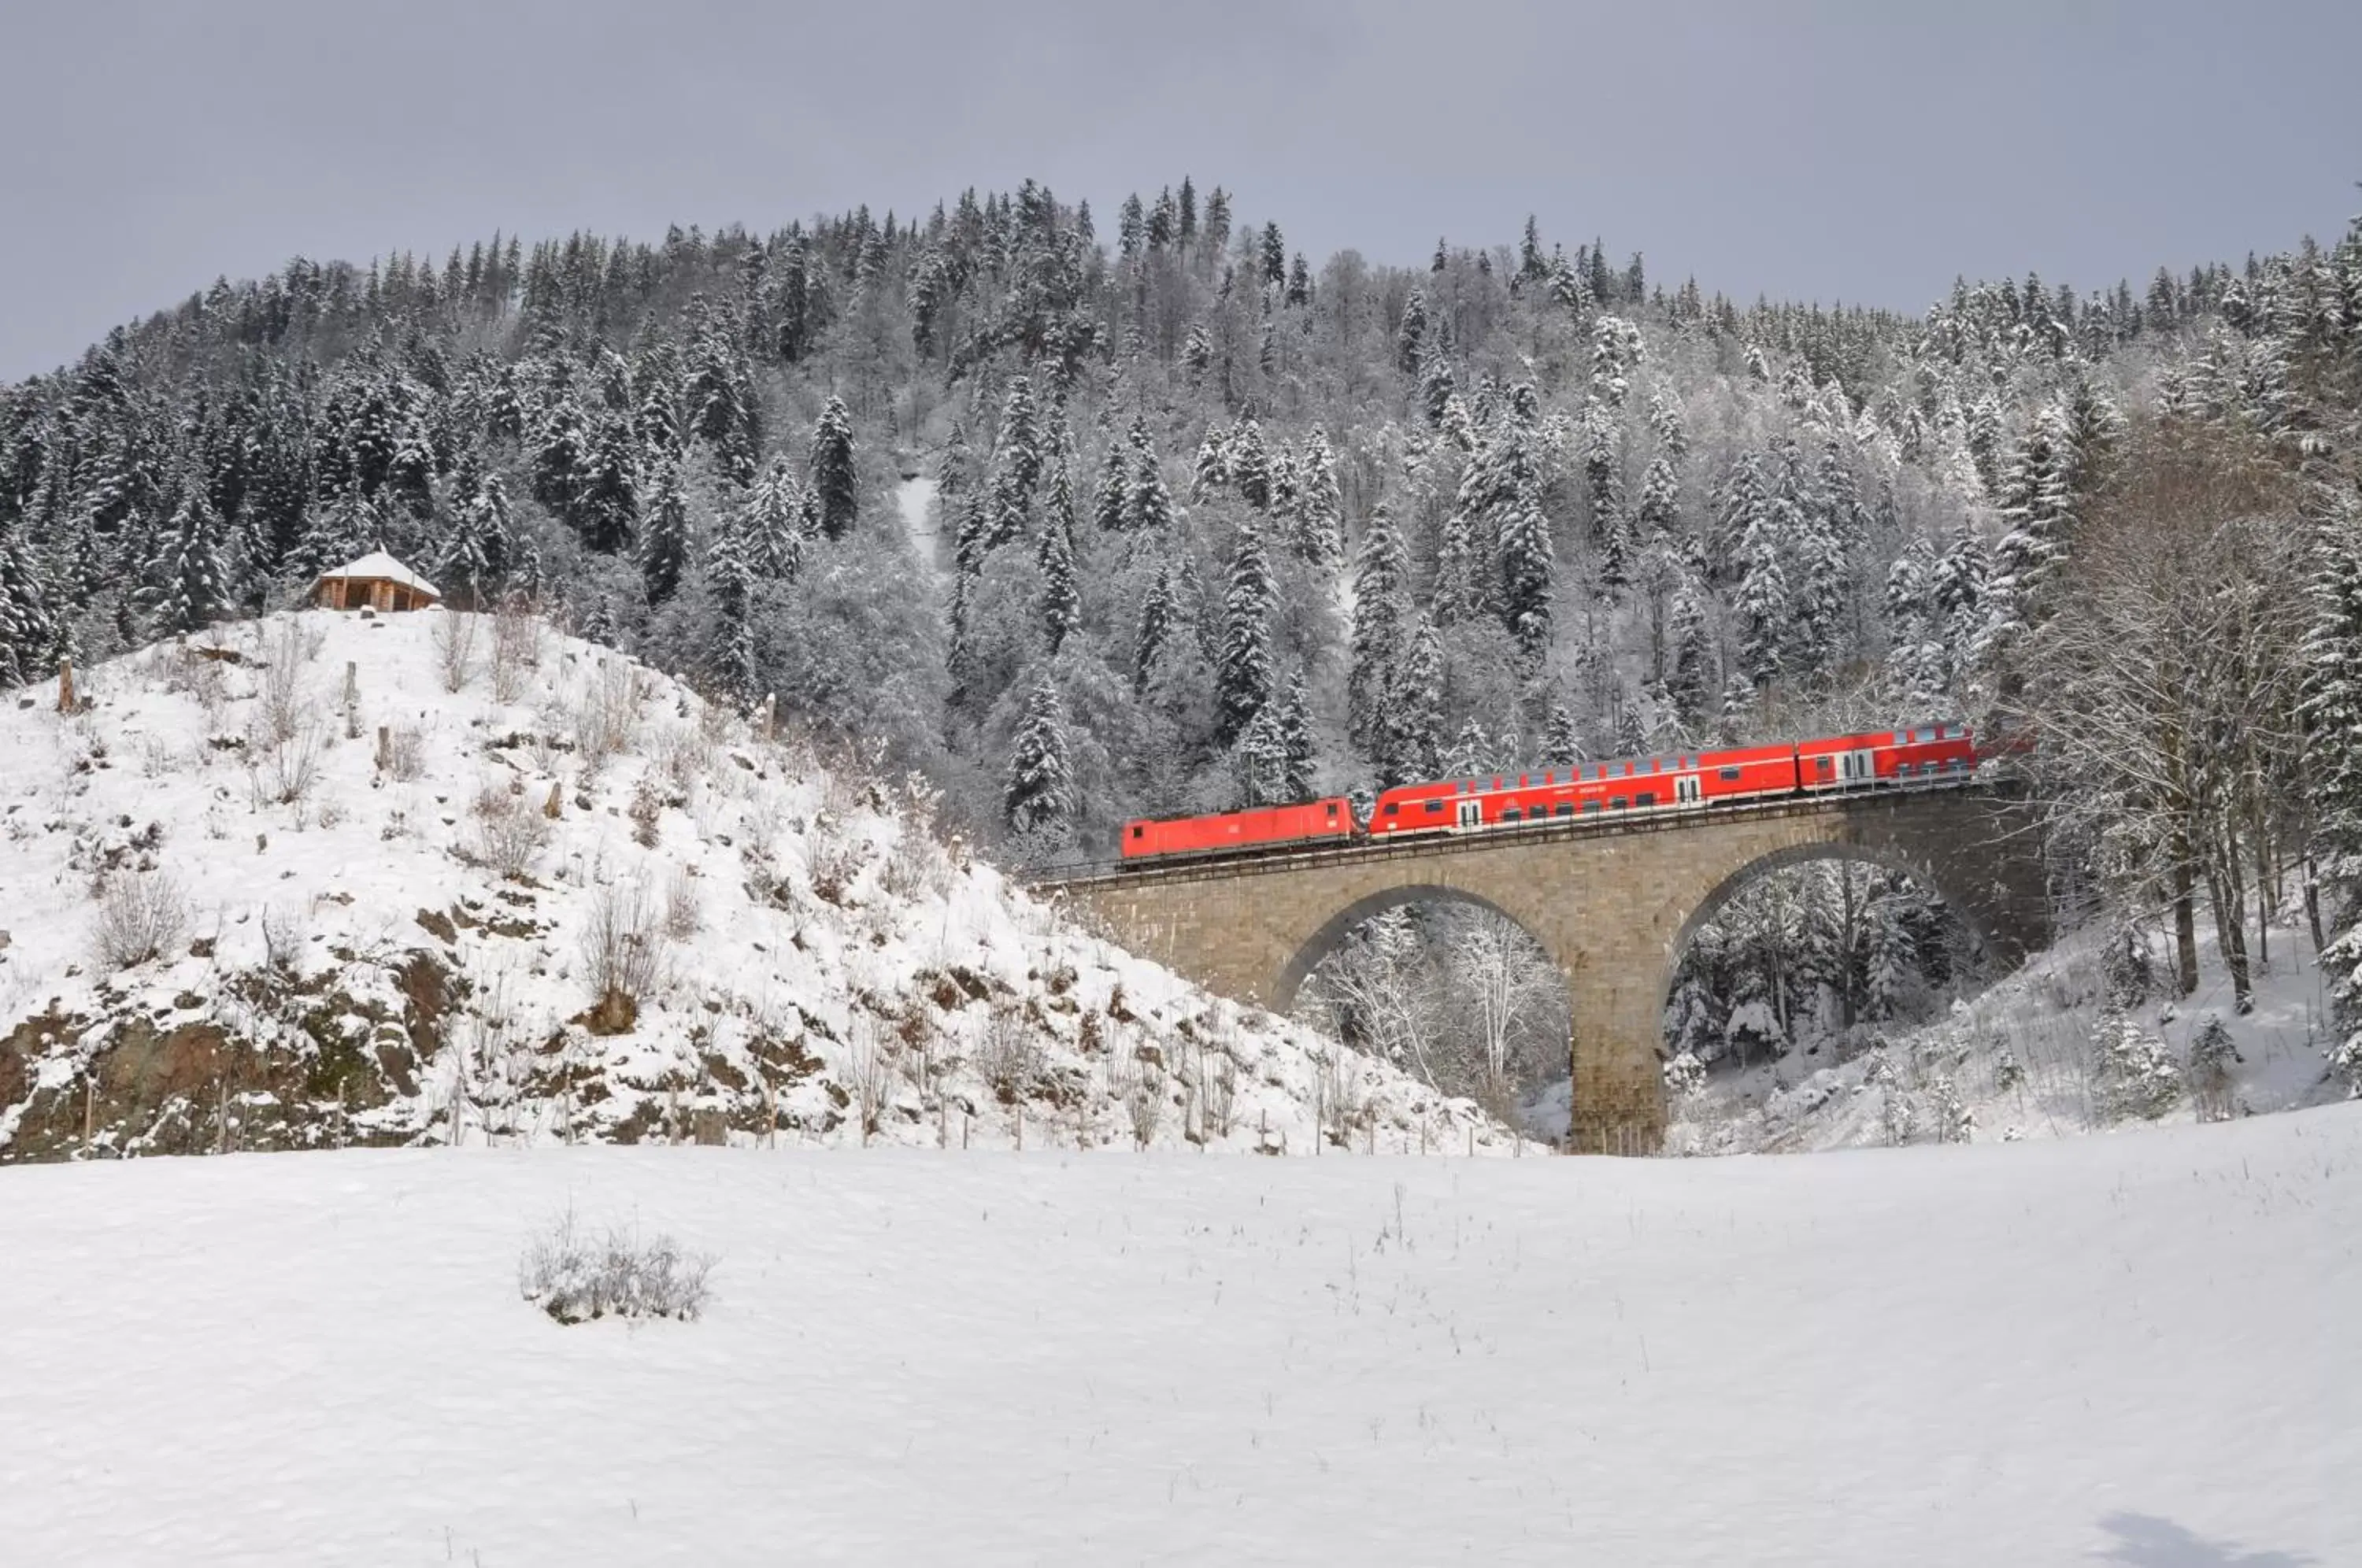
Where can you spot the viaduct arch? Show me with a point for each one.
(1612, 903)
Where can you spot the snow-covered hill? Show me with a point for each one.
(326, 879)
(2097, 1350)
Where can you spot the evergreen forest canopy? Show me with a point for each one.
(1223, 528)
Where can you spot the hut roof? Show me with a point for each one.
(377, 565)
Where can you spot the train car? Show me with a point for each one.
(1265, 827)
(1923, 753)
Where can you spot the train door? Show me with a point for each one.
(1472, 813)
(1687, 790)
(1857, 767)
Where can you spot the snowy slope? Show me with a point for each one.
(2121, 1350)
(389, 898)
(2021, 1060)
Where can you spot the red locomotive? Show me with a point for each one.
(1924, 754)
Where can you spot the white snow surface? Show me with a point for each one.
(2098, 1350)
(834, 937)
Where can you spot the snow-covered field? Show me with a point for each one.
(2130, 1349)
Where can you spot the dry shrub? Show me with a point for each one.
(510, 831)
(607, 714)
(1009, 1058)
(874, 1053)
(285, 701)
(684, 910)
(282, 766)
(516, 648)
(575, 1277)
(646, 811)
(405, 753)
(455, 648)
(622, 949)
(1140, 1086)
(141, 917)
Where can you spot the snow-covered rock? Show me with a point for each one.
(327, 878)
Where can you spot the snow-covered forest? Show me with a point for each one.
(1222, 524)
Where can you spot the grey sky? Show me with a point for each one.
(1857, 151)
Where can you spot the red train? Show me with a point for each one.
(1924, 753)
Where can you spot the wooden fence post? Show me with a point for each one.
(65, 686)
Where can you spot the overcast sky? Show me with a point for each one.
(1864, 152)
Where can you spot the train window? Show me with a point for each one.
(1434, 808)
(1728, 774)
(1589, 807)
(1646, 797)
(1563, 809)
(1332, 809)
(1511, 814)
(1394, 807)
(1821, 764)
(1902, 737)
(1139, 833)
(1616, 802)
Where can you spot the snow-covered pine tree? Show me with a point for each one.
(1243, 675)
(1062, 600)
(1413, 714)
(1377, 646)
(1760, 603)
(474, 562)
(730, 575)
(1561, 741)
(1159, 617)
(193, 586)
(1299, 757)
(1148, 503)
(1250, 465)
(1691, 679)
(1038, 798)
(834, 480)
(771, 527)
(1320, 503)
(663, 545)
(1527, 563)
(2333, 711)
(27, 630)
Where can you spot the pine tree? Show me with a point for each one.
(606, 509)
(27, 630)
(1039, 794)
(1762, 604)
(1690, 676)
(664, 546)
(1243, 675)
(1298, 754)
(730, 573)
(834, 479)
(1111, 507)
(1410, 334)
(1061, 600)
(1526, 568)
(770, 524)
(1561, 741)
(1250, 465)
(1378, 644)
(1159, 615)
(1149, 505)
(194, 586)
(1413, 716)
(474, 558)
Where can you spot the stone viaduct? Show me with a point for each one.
(1614, 903)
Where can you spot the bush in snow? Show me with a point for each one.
(2210, 1055)
(141, 917)
(2137, 1076)
(1955, 1122)
(575, 1277)
(2125, 966)
(1685, 1076)
(623, 948)
(510, 832)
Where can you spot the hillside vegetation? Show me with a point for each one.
(325, 880)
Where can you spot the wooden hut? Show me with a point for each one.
(376, 581)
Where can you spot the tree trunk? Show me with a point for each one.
(2313, 903)
(2230, 900)
(2185, 927)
